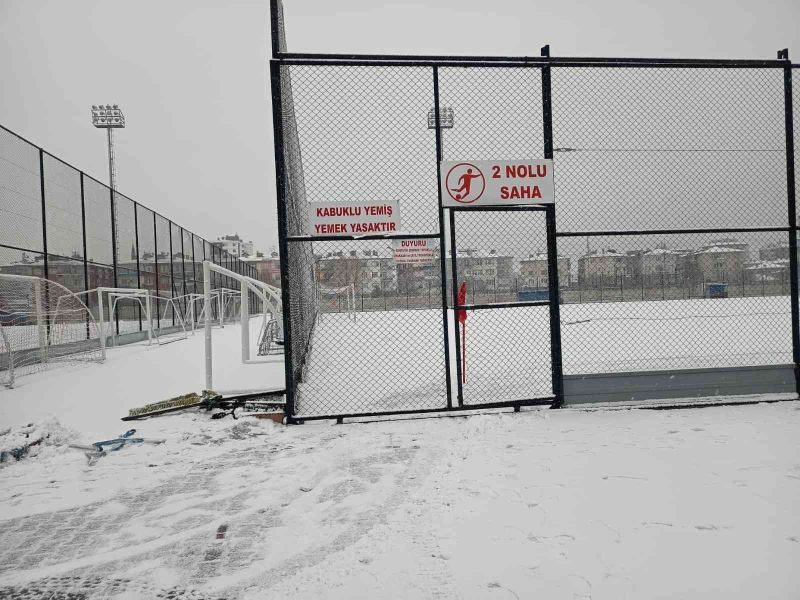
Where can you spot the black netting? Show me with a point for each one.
(62, 186)
(20, 194)
(97, 205)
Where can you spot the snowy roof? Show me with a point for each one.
(765, 265)
(258, 258)
(468, 253)
(718, 250)
(661, 251)
(603, 253)
(540, 256)
(362, 255)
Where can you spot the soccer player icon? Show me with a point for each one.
(465, 184)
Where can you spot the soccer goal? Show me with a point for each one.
(229, 307)
(338, 300)
(42, 323)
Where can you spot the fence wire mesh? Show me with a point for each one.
(672, 232)
(662, 148)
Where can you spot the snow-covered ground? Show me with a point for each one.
(395, 360)
(92, 397)
(574, 503)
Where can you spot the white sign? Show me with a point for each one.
(353, 218)
(497, 183)
(415, 252)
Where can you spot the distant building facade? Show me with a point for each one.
(534, 273)
(268, 268)
(234, 245)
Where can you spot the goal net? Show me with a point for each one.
(42, 323)
(337, 300)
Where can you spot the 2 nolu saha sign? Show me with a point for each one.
(497, 183)
(353, 218)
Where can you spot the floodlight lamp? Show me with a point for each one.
(446, 118)
(104, 116)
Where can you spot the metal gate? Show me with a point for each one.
(496, 366)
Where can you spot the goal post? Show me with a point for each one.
(348, 292)
(43, 322)
(269, 296)
(114, 294)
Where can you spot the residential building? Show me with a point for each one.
(69, 273)
(234, 245)
(776, 271)
(729, 243)
(603, 267)
(483, 272)
(370, 271)
(534, 271)
(664, 261)
(268, 268)
(719, 264)
(774, 252)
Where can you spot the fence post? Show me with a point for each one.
(283, 244)
(44, 215)
(791, 199)
(442, 258)
(86, 287)
(171, 271)
(138, 266)
(158, 274)
(114, 253)
(552, 245)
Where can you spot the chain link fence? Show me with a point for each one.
(674, 246)
(58, 223)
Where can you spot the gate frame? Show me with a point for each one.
(556, 377)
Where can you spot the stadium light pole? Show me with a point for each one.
(446, 121)
(109, 117)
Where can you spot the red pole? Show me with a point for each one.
(464, 352)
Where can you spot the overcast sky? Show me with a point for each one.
(192, 75)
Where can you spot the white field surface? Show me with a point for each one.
(91, 397)
(395, 360)
(575, 503)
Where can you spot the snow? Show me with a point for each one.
(92, 397)
(395, 360)
(574, 503)
(552, 504)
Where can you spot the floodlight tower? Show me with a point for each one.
(109, 117)
(446, 121)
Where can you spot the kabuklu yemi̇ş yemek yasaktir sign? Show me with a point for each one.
(353, 218)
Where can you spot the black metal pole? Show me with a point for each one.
(274, 12)
(114, 251)
(86, 286)
(183, 273)
(158, 275)
(44, 215)
(442, 258)
(552, 246)
(171, 271)
(454, 284)
(283, 244)
(194, 271)
(790, 192)
(138, 266)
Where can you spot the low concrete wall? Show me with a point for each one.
(687, 383)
